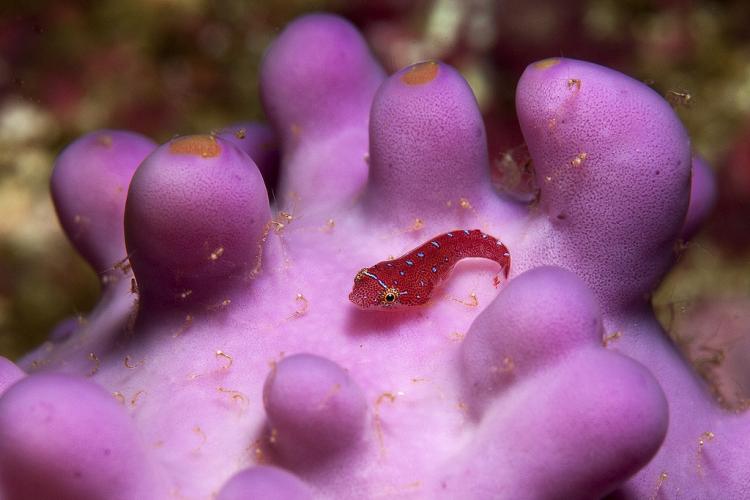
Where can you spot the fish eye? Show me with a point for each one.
(389, 296)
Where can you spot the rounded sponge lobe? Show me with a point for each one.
(427, 145)
(541, 316)
(591, 417)
(589, 423)
(313, 407)
(65, 437)
(268, 483)
(703, 193)
(613, 164)
(317, 81)
(195, 220)
(89, 185)
(317, 74)
(260, 144)
(10, 373)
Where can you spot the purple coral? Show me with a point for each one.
(264, 482)
(196, 213)
(89, 185)
(703, 193)
(246, 370)
(65, 437)
(314, 408)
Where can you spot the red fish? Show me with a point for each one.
(410, 279)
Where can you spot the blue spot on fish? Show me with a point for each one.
(420, 254)
(409, 263)
(435, 244)
(402, 273)
(434, 269)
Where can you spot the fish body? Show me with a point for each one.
(410, 279)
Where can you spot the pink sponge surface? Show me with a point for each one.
(228, 362)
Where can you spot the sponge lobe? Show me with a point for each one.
(89, 185)
(313, 407)
(65, 437)
(195, 219)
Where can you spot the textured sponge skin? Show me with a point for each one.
(228, 363)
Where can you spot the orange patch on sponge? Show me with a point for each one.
(421, 73)
(204, 146)
(547, 63)
(104, 140)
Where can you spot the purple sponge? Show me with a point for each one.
(89, 185)
(65, 437)
(313, 407)
(269, 483)
(243, 367)
(195, 216)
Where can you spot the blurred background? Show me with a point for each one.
(168, 67)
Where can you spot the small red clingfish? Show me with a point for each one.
(410, 279)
